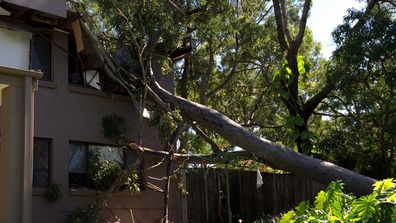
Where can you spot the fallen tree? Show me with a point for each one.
(272, 154)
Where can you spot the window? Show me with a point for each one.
(40, 58)
(96, 166)
(88, 78)
(41, 162)
(78, 165)
(75, 71)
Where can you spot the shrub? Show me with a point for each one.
(335, 206)
(53, 193)
(83, 214)
(102, 173)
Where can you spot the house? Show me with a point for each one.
(50, 120)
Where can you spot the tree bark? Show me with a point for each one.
(291, 47)
(282, 157)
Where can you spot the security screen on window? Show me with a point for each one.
(41, 161)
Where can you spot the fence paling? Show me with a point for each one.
(279, 193)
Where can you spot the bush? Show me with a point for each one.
(335, 206)
(102, 173)
(53, 193)
(83, 214)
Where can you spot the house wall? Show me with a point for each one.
(63, 113)
(54, 7)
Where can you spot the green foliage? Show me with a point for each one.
(131, 183)
(166, 123)
(334, 206)
(102, 173)
(267, 219)
(53, 192)
(83, 214)
(115, 128)
(191, 142)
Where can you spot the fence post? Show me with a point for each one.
(206, 193)
(228, 194)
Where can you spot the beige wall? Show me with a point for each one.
(54, 7)
(16, 143)
(64, 113)
(11, 189)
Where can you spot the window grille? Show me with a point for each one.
(41, 159)
(78, 165)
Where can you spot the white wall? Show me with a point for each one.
(14, 48)
(54, 7)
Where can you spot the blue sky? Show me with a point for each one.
(324, 18)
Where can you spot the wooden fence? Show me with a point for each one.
(279, 193)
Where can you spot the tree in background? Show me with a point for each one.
(360, 134)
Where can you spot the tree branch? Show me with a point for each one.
(313, 102)
(303, 24)
(176, 7)
(285, 22)
(216, 148)
(224, 83)
(261, 126)
(279, 25)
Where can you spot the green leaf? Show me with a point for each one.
(365, 206)
(299, 121)
(301, 208)
(288, 217)
(284, 94)
(335, 219)
(276, 76)
(306, 135)
(300, 65)
(384, 185)
(288, 70)
(320, 200)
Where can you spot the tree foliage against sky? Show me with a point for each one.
(362, 135)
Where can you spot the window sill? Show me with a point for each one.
(82, 192)
(47, 84)
(39, 191)
(88, 192)
(94, 92)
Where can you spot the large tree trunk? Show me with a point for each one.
(275, 155)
